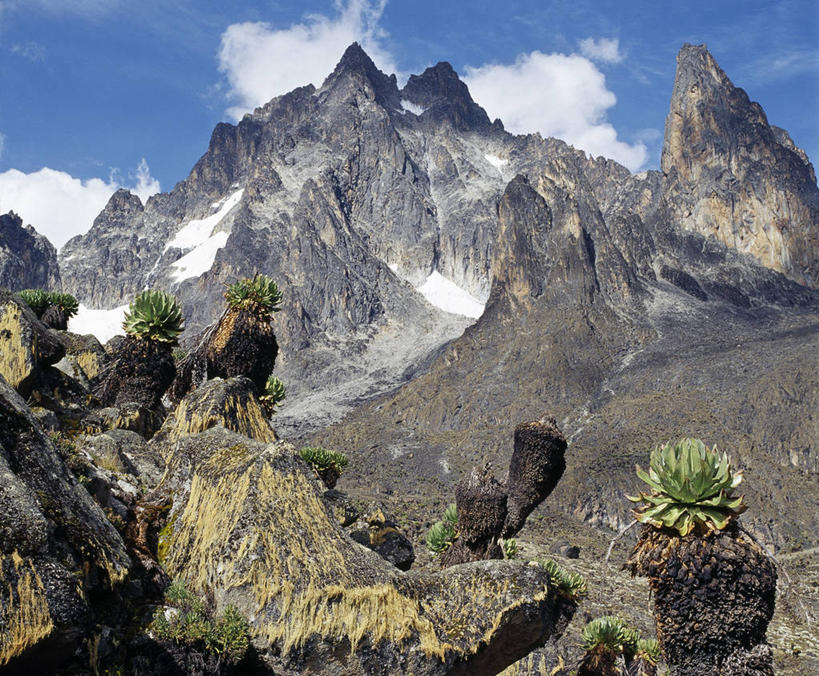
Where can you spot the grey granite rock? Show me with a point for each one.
(27, 259)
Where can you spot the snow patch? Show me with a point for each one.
(194, 232)
(410, 107)
(202, 243)
(102, 324)
(495, 161)
(449, 297)
(200, 260)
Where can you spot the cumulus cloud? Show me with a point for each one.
(260, 61)
(558, 95)
(60, 206)
(606, 50)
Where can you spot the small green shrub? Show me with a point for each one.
(260, 295)
(274, 394)
(443, 533)
(320, 459)
(571, 585)
(65, 301)
(36, 299)
(155, 316)
(510, 548)
(692, 487)
(39, 301)
(188, 623)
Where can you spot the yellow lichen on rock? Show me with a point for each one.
(243, 415)
(25, 618)
(89, 362)
(16, 355)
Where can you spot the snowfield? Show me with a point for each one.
(449, 297)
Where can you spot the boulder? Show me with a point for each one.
(26, 344)
(57, 549)
(248, 527)
(231, 403)
(377, 530)
(84, 357)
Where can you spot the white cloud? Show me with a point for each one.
(606, 50)
(60, 206)
(261, 62)
(556, 95)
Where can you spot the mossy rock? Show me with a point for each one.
(250, 528)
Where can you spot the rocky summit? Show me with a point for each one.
(443, 282)
(27, 259)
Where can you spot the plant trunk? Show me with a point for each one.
(536, 466)
(599, 661)
(481, 503)
(713, 599)
(54, 318)
(140, 372)
(242, 345)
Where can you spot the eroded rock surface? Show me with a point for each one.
(57, 549)
(249, 526)
(27, 259)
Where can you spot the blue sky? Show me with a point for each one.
(103, 93)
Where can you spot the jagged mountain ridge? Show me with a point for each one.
(350, 199)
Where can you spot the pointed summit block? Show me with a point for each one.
(355, 62)
(730, 175)
(440, 90)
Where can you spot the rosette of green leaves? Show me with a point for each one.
(274, 393)
(36, 299)
(321, 459)
(568, 584)
(155, 316)
(648, 649)
(609, 632)
(65, 301)
(692, 487)
(259, 294)
(443, 533)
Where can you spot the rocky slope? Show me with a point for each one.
(27, 259)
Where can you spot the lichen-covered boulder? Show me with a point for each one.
(248, 527)
(26, 344)
(231, 403)
(84, 357)
(126, 453)
(57, 549)
(376, 529)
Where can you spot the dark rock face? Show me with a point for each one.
(713, 600)
(731, 176)
(536, 466)
(26, 344)
(57, 549)
(27, 259)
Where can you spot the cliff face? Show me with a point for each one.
(732, 176)
(27, 259)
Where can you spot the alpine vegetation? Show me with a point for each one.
(143, 366)
(714, 587)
